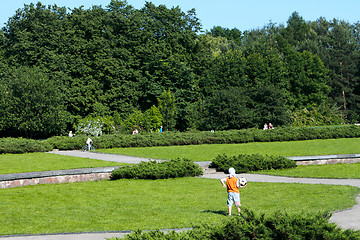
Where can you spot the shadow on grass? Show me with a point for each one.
(219, 212)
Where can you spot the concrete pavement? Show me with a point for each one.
(104, 156)
(347, 219)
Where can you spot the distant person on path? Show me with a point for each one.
(89, 142)
(71, 134)
(232, 184)
(265, 126)
(135, 131)
(161, 129)
(271, 126)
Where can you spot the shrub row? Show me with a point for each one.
(277, 226)
(153, 170)
(184, 138)
(219, 137)
(251, 162)
(23, 145)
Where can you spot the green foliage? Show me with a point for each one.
(167, 109)
(279, 225)
(253, 162)
(152, 119)
(317, 116)
(32, 104)
(23, 145)
(227, 109)
(148, 121)
(308, 79)
(144, 139)
(108, 62)
(153, 170)
(134, 120)
(69, 143)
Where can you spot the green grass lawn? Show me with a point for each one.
(207, 152)
(319, 171)
(152, 204)
(32, 162)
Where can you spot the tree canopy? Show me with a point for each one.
(155, 66)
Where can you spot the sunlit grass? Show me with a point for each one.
(208, 152)
(32, 162)
(152, 204)
(319, 171)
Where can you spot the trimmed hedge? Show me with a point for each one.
(247, 227)
(23, 145)
(217, 137)
(153, 170)
(183, 138)
(252, 162)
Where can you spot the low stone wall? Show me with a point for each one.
(329, 161)
(51, 177)
(326, 159)
(55, 179)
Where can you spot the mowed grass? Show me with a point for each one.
(208, 152)
(32, 162)
(319, 171)
(152, 204)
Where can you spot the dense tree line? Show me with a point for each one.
(155, 66)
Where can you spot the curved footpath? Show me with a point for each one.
(346, 219)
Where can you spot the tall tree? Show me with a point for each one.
(344, 60)
(32, 105)
(167, 109)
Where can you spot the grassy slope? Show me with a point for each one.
(152, 204)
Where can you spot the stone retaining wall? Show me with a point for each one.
(56, 176)
(55, 179)
(328, 161)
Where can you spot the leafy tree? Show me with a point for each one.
(167, 109)
(233, 36)
(118, 62)
(270, 104)
(227, 109)
(296, 30)
(33, 106)
(308, 79)
(152, 119)
(134, 120)
(343, 66)
(322, 115)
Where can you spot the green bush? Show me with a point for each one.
(153, 170)
(23, 145)
(253, 162)
(249, 226)
(68, 143)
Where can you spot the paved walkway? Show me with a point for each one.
(347, 219)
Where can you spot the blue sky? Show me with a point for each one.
(240, 14)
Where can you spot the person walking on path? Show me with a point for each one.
(89, 142)
(232, 184)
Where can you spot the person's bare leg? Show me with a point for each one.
(229, 208)
(238, 209)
